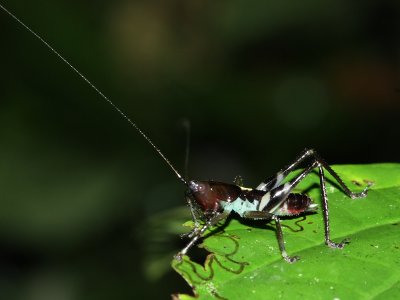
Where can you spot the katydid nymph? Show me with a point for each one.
(211, 202)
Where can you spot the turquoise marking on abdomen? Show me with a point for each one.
(239, 206)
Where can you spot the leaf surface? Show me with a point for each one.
(245, 261)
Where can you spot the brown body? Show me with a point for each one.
(210, 194)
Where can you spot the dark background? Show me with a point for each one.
(87, 209)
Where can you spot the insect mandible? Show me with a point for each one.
(211, 202)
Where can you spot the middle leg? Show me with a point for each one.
(264, 215)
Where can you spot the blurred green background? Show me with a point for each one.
(87, 209)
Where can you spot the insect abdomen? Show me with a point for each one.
(296, 204)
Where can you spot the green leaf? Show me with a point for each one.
(245, 261)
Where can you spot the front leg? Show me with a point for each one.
(196, 234)
(193, 211)
(196, 216)
(192, 232)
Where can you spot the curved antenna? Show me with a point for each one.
(97, 90)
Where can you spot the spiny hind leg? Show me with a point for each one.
(277, 179)
(322, 164)
(278, 196)
(325, 210)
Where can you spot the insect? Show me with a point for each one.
(214, 201)
(211, 202)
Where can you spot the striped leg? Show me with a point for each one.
(273, 199)
(278, 195)
(276, 180)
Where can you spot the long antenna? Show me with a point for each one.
(96, 89)
(186, 126)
